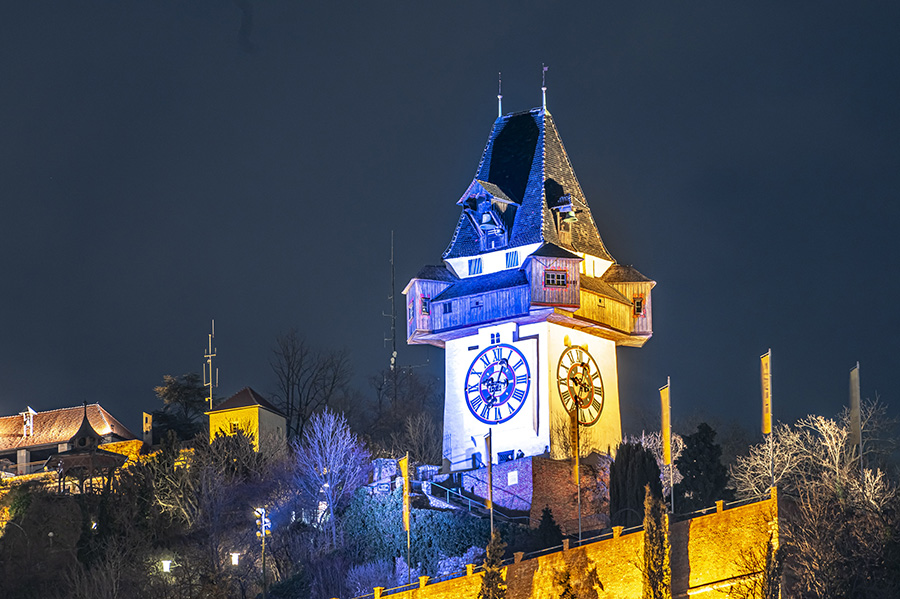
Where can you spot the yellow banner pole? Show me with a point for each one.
(666, 417)
(404, 470)
(765, 374)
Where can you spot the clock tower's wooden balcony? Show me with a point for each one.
(548, 287)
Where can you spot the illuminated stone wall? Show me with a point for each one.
(708, 553)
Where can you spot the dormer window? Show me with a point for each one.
(491, 230)
(474, 266)
(512, 259)
(426, 305)
(638, 303)
(28, 422)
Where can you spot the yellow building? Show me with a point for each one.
(247, 411)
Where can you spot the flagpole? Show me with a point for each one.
(578, 466)
(855, 417)
(490, 475)
(765, 369)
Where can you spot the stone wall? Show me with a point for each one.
(709, 553)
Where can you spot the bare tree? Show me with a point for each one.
(330, 463)
(779, 453)
(308, 379)
(879, 432)
(814, 453)
(653, 442)
(212, 490)
(421, 437)
(841, 519)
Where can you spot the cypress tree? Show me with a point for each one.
(704, 475)
(548, 532)
(656, 571)
(492, 584)
(633, 469)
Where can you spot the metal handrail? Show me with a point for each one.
(471, 502)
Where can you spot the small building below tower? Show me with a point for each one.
(247, 411)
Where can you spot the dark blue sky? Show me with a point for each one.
(165, 162)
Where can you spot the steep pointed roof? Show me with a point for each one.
(525, 161)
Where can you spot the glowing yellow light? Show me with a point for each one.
(166, 565)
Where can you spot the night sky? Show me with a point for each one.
(166, 162)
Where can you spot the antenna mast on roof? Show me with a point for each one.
(499, 95)
(393, 337)
(208, 379)
(544, 83)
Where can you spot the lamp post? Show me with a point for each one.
(235, 556)
(264, 526)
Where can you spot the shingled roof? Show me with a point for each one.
(525, 159)
(618, 273)
(483, 283)
(551, 250)
(436, 273)
(604, 289)
(244, 398)
(58, 426)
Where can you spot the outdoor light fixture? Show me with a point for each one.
(234, 558)
(166, 565)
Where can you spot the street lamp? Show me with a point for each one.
(166, 565)
(264, 526)
(234, 558)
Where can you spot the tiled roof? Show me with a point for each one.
(618, 273)
(526, 161)
(244, 398)
(482, 284)
(58, 426)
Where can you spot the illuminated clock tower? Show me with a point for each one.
(529, 306)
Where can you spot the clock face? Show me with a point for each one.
(580, 385)
(497, 383)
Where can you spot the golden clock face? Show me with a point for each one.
(580, 384)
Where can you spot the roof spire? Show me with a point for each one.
(499, 95)
(544, 83)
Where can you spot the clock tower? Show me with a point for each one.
(529, 306)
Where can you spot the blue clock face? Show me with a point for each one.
(497, 383)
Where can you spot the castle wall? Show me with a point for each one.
(708, 554)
